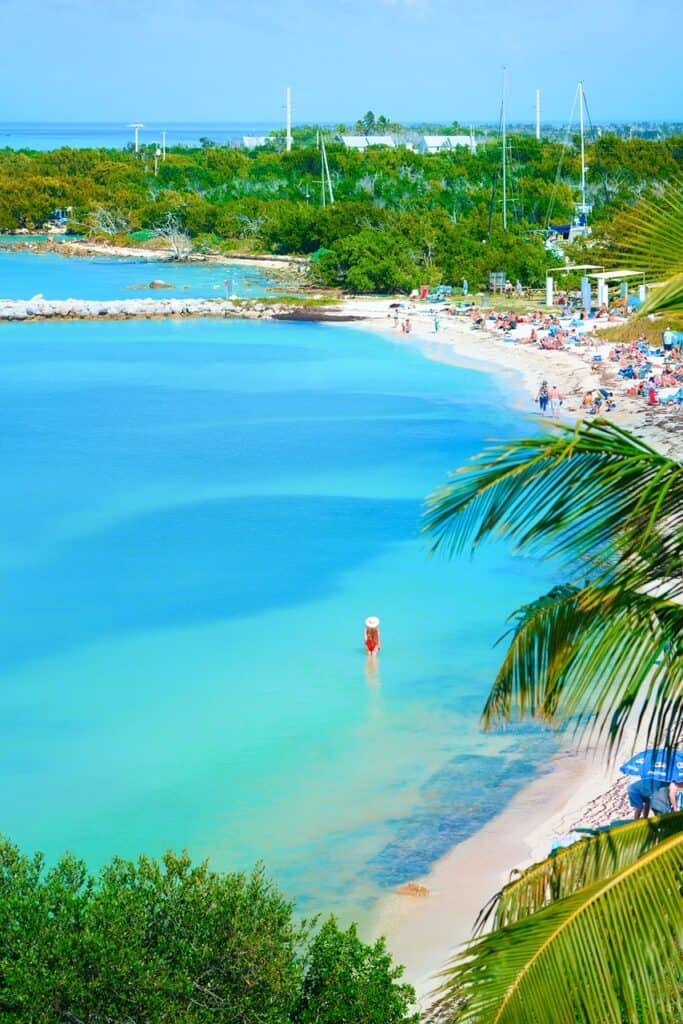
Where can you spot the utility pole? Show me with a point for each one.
(137, 126)
(289, 119)
(163, 145)
(538, 114)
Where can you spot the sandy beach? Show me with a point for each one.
(425, 921)
(527, 365)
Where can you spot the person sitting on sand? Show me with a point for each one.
(372, 636)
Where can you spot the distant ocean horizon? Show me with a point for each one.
(47, 135)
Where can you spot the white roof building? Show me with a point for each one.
(362, 142)
(253, 141)
(446, 143)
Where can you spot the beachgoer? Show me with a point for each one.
(409, 326)
(543, 396)
(372, 636)
(647, 795)
(555, 400)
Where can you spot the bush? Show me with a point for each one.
(166, 942)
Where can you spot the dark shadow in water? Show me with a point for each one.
(194, 564)
(458, 801)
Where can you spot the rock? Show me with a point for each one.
(413, 889)
(161, 284)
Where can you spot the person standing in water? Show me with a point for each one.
(372, 636)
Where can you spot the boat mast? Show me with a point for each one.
(584, 208)
(322, 164)
(325, 176)
(503, 118)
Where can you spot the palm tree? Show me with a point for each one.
(596, 934)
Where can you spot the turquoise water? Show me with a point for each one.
(23, 275)
(198, 517)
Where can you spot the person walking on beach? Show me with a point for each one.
(555, 400)
(372, 636)
(542, 397)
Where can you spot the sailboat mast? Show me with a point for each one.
(322, 164)
(503, 118)
(583, 152)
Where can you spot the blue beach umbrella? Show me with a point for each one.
(661, 765)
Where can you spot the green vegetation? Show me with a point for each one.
(164, 943)
(594, 934)
(400, 218)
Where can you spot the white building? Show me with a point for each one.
(361, 142)
(446, 143)
(254, 141)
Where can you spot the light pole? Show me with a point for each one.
(163, 145)
(157, 154)
(137, 125)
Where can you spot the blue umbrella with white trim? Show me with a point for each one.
(662, 765)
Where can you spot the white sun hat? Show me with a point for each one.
(372, 622)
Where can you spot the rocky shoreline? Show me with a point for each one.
(39, 308)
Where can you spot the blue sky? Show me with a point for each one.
(217, 60)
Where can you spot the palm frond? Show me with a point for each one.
(650, 234)
(665, 298)
(610, 952)
(602, 658)
(588, 861)
(573, 492)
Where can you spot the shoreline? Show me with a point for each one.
(457, 344)
(425, 927)
(86, 248)
(425, 921)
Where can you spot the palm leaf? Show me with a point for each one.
(665, 298)
(569, 870)
(573, 492)
(605, 659)
(650, 234)
(609, 953)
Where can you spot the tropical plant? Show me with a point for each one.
(594, 935)
(651, 238)
(167, 941)
(605, 648)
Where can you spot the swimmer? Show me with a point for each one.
(372, 637)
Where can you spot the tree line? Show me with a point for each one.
(400, 218)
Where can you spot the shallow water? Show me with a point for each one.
(25, 274)
(198, 517)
